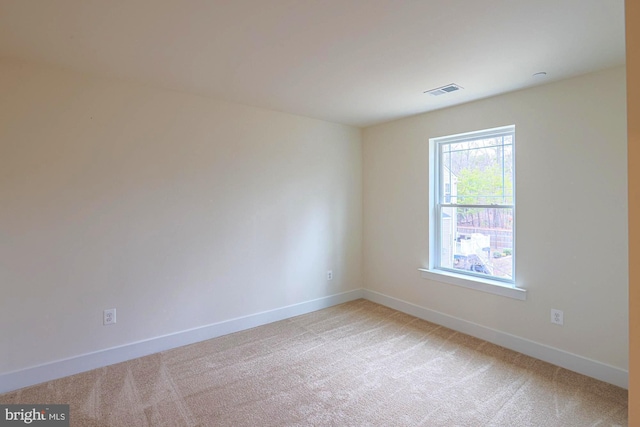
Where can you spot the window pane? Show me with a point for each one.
(477, 240)
(479, 171)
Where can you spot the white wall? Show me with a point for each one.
(183, 211)
(571, 214)
(177, 210)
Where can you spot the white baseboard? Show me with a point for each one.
(74, 365)
(86, 362)
(573, 362)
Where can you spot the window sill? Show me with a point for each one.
(479, 284)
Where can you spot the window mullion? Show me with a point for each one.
(457, 205)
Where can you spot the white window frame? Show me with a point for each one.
(468, 279)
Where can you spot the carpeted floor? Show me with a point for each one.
(356, 364)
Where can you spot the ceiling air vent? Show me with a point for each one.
(444, 89)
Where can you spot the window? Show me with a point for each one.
(473, 205)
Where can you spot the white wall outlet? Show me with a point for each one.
(109, 317)
(329, 274)
(557, 316)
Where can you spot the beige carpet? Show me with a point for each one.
(356, 364)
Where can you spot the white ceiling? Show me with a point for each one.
(357, 62)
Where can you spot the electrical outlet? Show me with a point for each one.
(557, 316)
(329, 274)
(109, 317)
